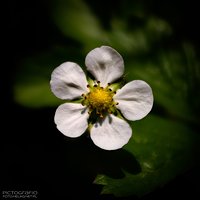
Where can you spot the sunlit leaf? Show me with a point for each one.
(76, 20)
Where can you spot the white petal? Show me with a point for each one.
(111, 133)
(135, 100)
(68, 81)
(105, 64)
(71, 119)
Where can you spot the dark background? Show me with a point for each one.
(34, 154)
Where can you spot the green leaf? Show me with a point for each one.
(137, 40)
(76, 20)
(172, 82)
(163, 149)
(32, 81)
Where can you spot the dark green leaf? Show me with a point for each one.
(163, 148)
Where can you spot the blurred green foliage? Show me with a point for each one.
(165, 143)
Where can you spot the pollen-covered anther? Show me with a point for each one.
(84, 96)
(110, 112)
(101, 116)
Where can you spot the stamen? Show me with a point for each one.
(99, 99)
(89, 112)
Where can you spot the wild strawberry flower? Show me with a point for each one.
(100, 106)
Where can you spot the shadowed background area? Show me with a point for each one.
(159, 41)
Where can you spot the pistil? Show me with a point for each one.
(99, 99)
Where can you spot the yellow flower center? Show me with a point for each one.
(100, 100)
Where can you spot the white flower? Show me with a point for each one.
(101, 104)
